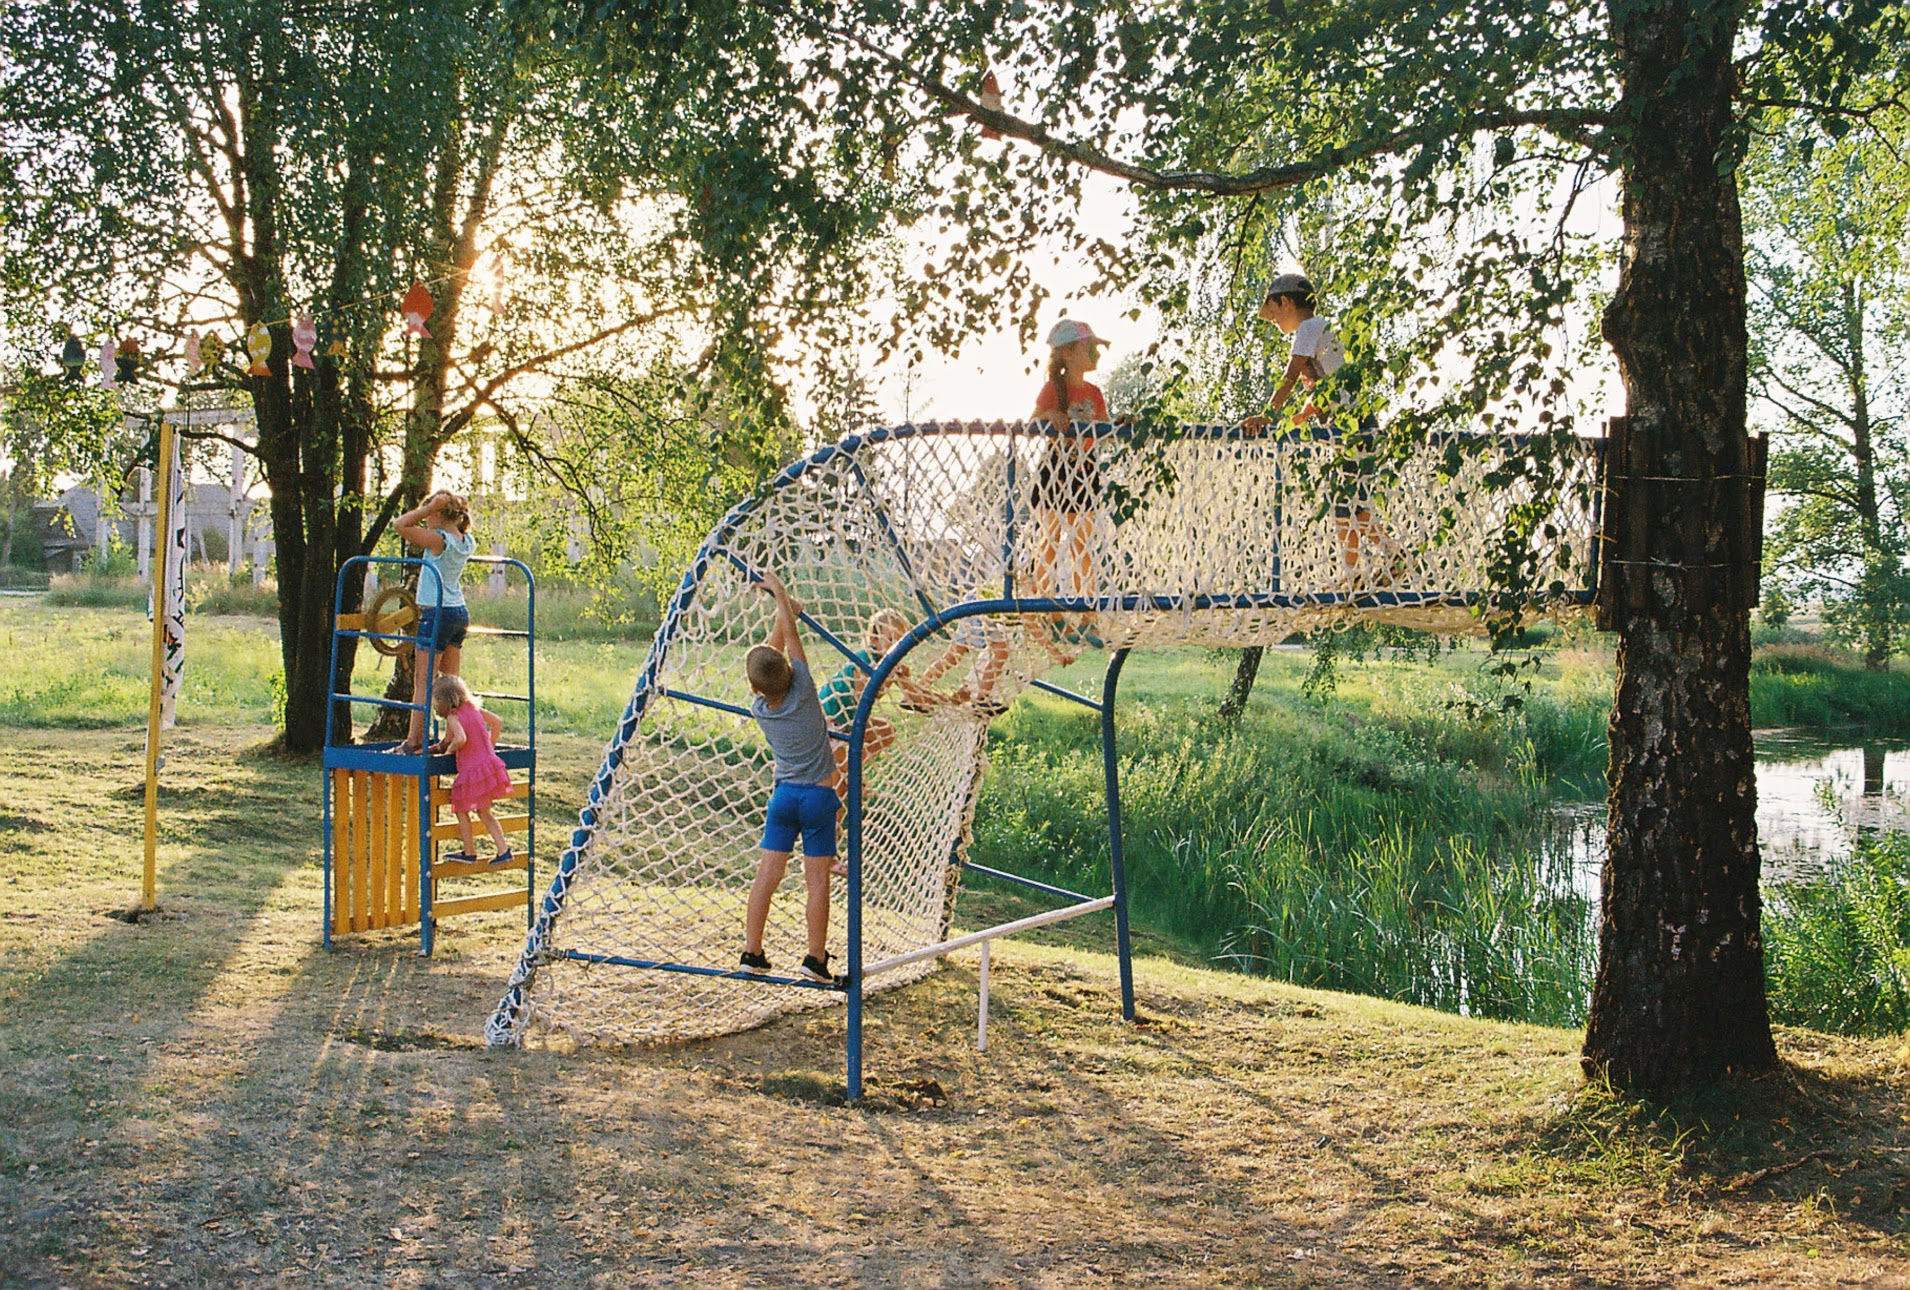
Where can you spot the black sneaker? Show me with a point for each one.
(817, 969)
(757, 963)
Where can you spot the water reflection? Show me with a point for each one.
(1816, 790)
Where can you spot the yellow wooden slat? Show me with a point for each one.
(395, 622)
(361, 852)
(341, 853)
(395, 845)
(449, 830)
(407, 844)
(379, 848)
(515, 899)
(441, 797)
(459, 869)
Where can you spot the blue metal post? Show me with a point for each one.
(1117, 866)
(427, 814)
(854, 899)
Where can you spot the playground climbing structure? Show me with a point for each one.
(1207, 537)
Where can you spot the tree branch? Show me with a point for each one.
(1580, 125)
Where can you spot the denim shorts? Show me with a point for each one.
(444, 628)
(808, 809)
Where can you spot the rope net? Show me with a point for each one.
(1234, 541)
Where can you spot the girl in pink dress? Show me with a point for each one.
(472, 733)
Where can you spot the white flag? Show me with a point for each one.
(173, 663)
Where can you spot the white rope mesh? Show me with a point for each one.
(1246, 542)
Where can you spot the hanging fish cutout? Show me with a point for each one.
(73, 358)
(195, 360)
(417, 307)
(108, 361)
(304, 336)
(991, 99)
(336, 350)
(126, 362)
(258, 343)
(212, 349)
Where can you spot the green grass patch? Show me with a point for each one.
(1389, 841)
(1837, 949)
(1810, 685)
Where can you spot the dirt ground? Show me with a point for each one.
(212, 1098)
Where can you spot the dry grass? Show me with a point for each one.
(210, 1098)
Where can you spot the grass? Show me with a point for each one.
(208, 1097)
(624, 613)
(1375, 843)
(1810, 685)
(1838, 949)
(1389, 840)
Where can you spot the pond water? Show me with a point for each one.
(1815, 791)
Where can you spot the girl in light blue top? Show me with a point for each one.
(442, 526)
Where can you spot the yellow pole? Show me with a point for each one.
(162, 544)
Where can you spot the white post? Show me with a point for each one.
(145, 528)
(100, 530)
(981, 1014)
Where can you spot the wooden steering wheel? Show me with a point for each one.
(391, 611)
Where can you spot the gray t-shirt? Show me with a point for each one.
(797, 733)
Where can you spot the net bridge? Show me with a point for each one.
(942, 570)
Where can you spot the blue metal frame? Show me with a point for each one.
(424, 766)
(715, 546)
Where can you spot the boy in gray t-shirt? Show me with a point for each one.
(803, 800)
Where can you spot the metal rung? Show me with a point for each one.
(728, 974)
(383, 703)
(988, 933)
(495, 694)
(496, 631)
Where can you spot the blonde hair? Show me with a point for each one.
(1060, 377)
(769, 672)
(890, 620)
(449, 693)
(457, 509)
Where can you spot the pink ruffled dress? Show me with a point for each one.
(482, 777)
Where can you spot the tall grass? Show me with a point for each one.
(1809, 685)
(1837, 949)
(1312, 845)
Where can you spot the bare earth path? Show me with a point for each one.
(211, 1098)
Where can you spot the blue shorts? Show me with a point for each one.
(808, 809)
(444, 627)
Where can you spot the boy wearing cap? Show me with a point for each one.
(1318, 354)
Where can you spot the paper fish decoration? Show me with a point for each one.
(212, 349)
(258, 343)
(336, 350)
(73, 358)
(108, 356)
(304, 336)
(417, 307)
(195, 361)
(991, 99)
(126, 361)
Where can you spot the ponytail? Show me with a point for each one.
(1058, 375)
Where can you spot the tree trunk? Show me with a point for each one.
(1241, 690)
(1679, 997)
